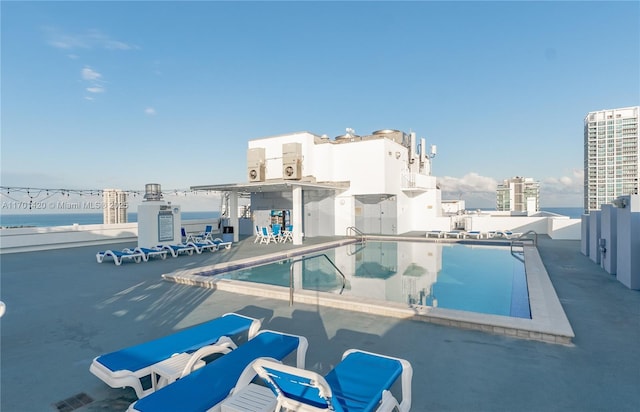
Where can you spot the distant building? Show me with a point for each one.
(518, 194)
(114, 206)
(611, 155)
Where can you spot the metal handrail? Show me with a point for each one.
(535, 238)
(303, 258)
(357, 231)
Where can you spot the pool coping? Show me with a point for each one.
(548, 321)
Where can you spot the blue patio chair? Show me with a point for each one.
(131, 366)
(361, 382)
(267, 236)
(276, 230)
(187, 237)
(206, 388)
(207, 234)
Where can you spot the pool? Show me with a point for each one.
(474, 278)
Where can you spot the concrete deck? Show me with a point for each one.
(63, 309)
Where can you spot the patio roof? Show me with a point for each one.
(277, 185)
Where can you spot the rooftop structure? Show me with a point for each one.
(518, 194)
(611, 155)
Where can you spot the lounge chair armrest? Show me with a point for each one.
(249, 373)
(388, 403)
(224, 345)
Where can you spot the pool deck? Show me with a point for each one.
(64, 309)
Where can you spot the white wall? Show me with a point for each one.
(564, 228)
(60, 237)
(628, 259)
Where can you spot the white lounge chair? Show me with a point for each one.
(131, 366)
(118, 257)
(206, 388)
(361, 382)
(435, 233)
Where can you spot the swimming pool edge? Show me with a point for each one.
(548, 321)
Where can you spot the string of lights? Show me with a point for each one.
(36, 193)
(36, 198)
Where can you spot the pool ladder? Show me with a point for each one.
(357, 232)
(519, 242)
(303, 258)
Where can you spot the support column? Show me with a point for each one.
(233, 215)
(296, 214)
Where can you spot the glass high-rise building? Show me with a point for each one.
(611, 155)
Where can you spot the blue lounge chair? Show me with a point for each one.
(435, 233)
(361, 382)
(118, 257)
(205, 388)
(221, 244)
(131, 366)
(148, 253)
(176, 250)
(200, 247)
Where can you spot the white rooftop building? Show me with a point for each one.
(379, 183)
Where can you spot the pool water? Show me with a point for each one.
(475, 278)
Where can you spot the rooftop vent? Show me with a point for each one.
(152, 192)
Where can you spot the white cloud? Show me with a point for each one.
(573, 184)
(471, 182)
(91, 39)
(150, 111)
(90, 74)
(480, 191)
(94, 81)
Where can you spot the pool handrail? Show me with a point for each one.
(523, 237)
(303, 258)
(357, 231)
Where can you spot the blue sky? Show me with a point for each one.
(119, 94)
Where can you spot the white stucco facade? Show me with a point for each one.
(384, 185)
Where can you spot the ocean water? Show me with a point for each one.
(66, 219)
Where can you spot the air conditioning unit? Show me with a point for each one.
(256, 164)
(292, 170)
(292, 161)
(256, 174)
